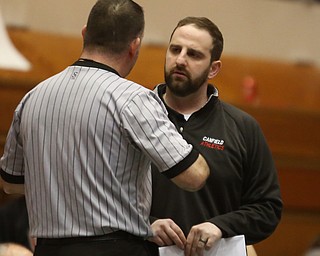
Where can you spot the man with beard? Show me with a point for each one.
(242, 194)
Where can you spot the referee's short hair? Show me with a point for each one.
(112, 25)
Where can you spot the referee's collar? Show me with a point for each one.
(94, 64)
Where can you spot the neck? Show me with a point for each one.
(187, 104)
(112, 61)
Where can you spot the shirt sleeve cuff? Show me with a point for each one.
(11, 178)
(182, 165)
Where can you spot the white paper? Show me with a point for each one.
(234, 246)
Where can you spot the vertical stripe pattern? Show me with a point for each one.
(87, 137)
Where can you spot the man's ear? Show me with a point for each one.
(84, 30)
(134, 47)
(214, 69)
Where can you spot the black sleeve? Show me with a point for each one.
(11, 178)
(182, 165)
(261, 207)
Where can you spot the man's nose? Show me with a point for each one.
(181, 59)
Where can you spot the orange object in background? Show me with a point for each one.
(250, 90)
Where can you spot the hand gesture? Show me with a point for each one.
(201, 237)
(167, 232)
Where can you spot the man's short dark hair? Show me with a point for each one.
(113, 24)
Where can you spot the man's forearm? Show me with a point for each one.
(11, 188)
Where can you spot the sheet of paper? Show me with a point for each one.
(234, 246)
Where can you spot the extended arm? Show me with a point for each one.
(194, 177)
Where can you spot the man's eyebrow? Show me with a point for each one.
(174, 45)
(189, 50)
(195, 51)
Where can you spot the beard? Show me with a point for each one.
(184, 86)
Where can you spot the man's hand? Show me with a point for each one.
(202, 237)
(167, 232)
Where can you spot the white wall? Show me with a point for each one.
(283, 30)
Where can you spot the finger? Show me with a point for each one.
(177, 236)
(177, 240)
(165, 237)
(157, 240)
(200, 248)
(169, 236)
(212, 240)
(192, 244)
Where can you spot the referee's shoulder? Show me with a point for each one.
(139, 88)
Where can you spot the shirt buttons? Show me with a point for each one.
(181, 129)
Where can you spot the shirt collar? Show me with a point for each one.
(94, 64)
(212, 91)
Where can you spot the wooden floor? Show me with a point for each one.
(287, 106)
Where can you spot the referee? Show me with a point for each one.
(81, 144)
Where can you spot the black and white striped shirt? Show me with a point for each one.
(83, 141)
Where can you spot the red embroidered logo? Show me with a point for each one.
(212, 143)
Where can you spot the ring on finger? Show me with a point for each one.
(203, 241)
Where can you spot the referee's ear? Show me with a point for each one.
(84, 30)
(134, 47)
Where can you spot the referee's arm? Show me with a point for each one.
(11, 185)
(190, 175)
